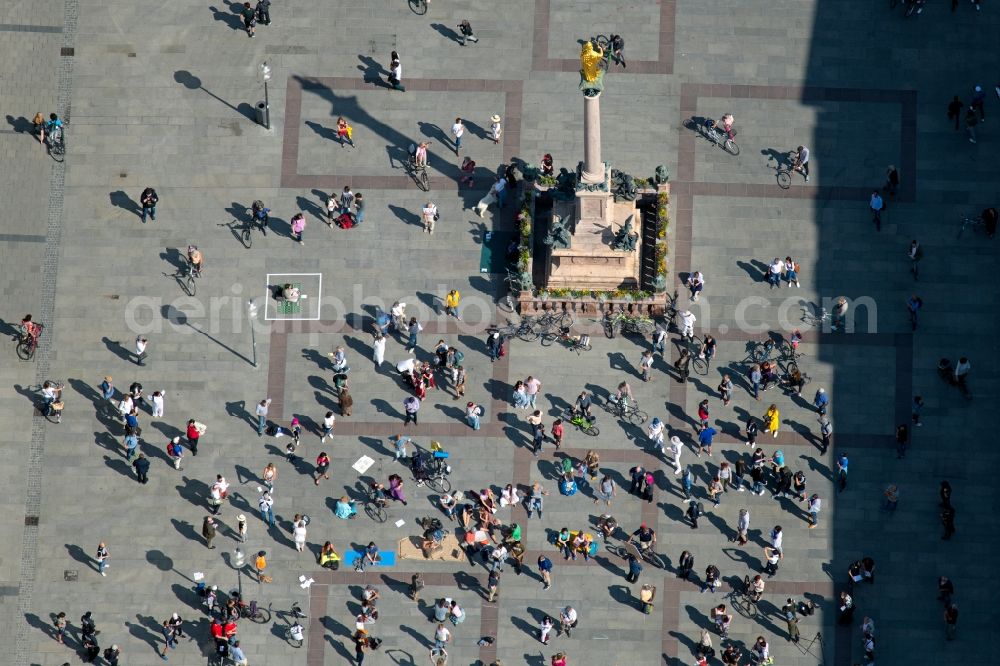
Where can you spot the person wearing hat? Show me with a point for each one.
(496, 131)
(112, 655)
(241, 527)
(177, 624)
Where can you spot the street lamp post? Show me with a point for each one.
(265, 74)
(252, 317)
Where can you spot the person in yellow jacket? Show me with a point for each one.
(771, 420)
(451, 303)
(328, 557)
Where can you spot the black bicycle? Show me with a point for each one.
(525, 330)
(553, 321)
(578, 343)
(56, 142)
(251, 610)
(616, 322)
(744, 599)
(647, 553)
(418, 172)
(670, 313)
(28, 344)
(626, 410)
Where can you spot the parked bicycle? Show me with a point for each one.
(630, 546)
(670, 313)
(524, 330)
(578, 343)
(815, 316)
(760, 351)
(616, 322)
(419, 7)
(294, 632)
(437, 475)
(976, 224)
(626, 410)
(507, 302)
(553, 321)
(250, 610)
(586, 424)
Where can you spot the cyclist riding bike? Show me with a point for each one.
(261, 214)
(30, 329)
(195, 260)
(644, 538)
(377, 492)
(53, 129)
(583, 405)
(623, 396)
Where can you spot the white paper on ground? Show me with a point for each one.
(362, 464)
(400, 522)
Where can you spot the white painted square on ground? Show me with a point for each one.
(310, 298)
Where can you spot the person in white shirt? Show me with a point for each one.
(328, 422)
(496, 131)
(567, 619)
(675, 450)
(441, 636)
(696, 282)
(406, 366)
(457, 130)
(774, 272)
(687, 324)
(430, 215)
(157, 399)
(802, 161)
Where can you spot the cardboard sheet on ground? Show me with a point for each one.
(409, 549)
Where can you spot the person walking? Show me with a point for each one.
(208, 531)
(891, 180)
(634, 568)
(693, 511)
(913, 305)
(772, 420)
(772, 556)
(568, 620)
(676, 447)
(60, 625)
(755, 379)
(169, 635)
(467, 36)
(842, 464)
(955, 110)
(322, 467)
(545, 569)
(103, 557)
(950, 621)
(345, 135)
(891, 495)
(266, 505)
(194, 432)
(429, 214)
(378, 350)
(298, 224)
(141, 349)
(544, 629)
(395, 77)
(683, 366)
(249, 23)
(687, 482)
(915, 254)
(978, 102)
(821, 401)
(876, 205)
(451, 301)
(646, 365)
(970, 124)
(157, 400)
(148, 200)
(705, 440)
(948, 521)
(457, 131)
(814, 507)
(825, 430)
(359, 208)
(141, 466)
(742, 527)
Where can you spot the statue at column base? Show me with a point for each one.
(626, 239)
(559, 236)
(662, 175)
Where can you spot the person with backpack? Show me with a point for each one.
(694, 510)
(148, 200)
(175, 451)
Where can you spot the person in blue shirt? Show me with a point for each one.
(821, 401)
(568, 485)
(705, 439)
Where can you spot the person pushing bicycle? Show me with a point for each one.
(644, 538)
(583, 405)
(261, 214)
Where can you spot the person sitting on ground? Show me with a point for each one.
(328, 557)
(290, 293)
(607, 525)
(345, 508)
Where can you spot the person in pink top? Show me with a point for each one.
(298, 226)
(532, 386)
